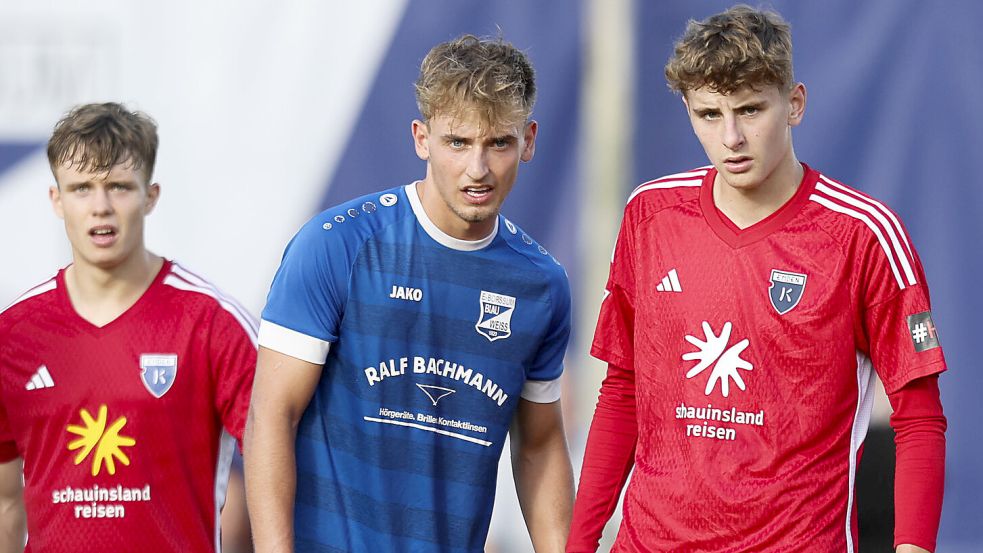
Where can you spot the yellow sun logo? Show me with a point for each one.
(108, 442)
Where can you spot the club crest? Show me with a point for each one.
(495, 316)
(785, 290)
(158, 371)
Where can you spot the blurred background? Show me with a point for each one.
(271, 111)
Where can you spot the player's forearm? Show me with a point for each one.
(13, 518)
(608, 460)
(13, 525)
(271, 480)
(919, 426)
(544, 484)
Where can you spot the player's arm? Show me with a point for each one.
(543, 473)
(13, 521)
(919, 426)
(908, 548)
(608, 459)
(282, 389)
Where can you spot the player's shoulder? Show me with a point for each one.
(667, 191)
(864, 225)
(32, 301)
(357, 219)
(193, 292)
(847, 212)
(531, 253)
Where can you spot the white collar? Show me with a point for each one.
(440, 236)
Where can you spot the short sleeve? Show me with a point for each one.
(232, 358)
(543, 377)
(614, 334)
(897, 315)
(8, 447)
(305, 304)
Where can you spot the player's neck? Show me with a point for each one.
(745, 206)
(100, 295)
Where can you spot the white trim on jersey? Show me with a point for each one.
(888, 212)
(672, 181)
(45, 286)
(541, 391)
(201, 282)
(440, 236)
(223, 467)
(826, 202)
(892, 231)
(293, 343)
(861, 421)
(174, 280)
(689, 179)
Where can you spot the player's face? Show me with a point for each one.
(747, 135)
(104, 213)
(471, 168)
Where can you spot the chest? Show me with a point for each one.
(54, 369)
(782, 310)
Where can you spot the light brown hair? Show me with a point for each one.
(97, 137)
(733, 49)
(490, 76)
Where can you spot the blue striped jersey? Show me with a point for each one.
(428, 343)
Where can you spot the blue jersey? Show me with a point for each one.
(428, 342)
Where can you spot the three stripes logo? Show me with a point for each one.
(40, 379)
(670, 283)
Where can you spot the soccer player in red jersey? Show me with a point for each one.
(125, 378)
(750, 304)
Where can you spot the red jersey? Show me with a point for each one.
(753, 354)
(126, 431)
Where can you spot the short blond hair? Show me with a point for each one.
(740, 47)
(488, 76)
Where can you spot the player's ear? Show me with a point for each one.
(529, 140)
(54, 194)
(797, 103)
(153, 194)
(421, 139)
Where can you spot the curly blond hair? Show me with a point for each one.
(740, 47)
(490, 77)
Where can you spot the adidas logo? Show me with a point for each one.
(670, 283)
(41, 379)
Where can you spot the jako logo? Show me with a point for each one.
(406, 293)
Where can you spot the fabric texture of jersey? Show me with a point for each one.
(126, 429)
(754, 354)
(433, 341)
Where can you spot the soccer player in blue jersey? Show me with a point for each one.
(407, 332)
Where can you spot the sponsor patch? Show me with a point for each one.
(495, 316)
(924, 335)
(785, 290)
(158, 371)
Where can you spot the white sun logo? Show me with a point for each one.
(726, 361)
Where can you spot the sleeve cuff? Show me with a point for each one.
(541, 391)
(295, 344)
(8, 451)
